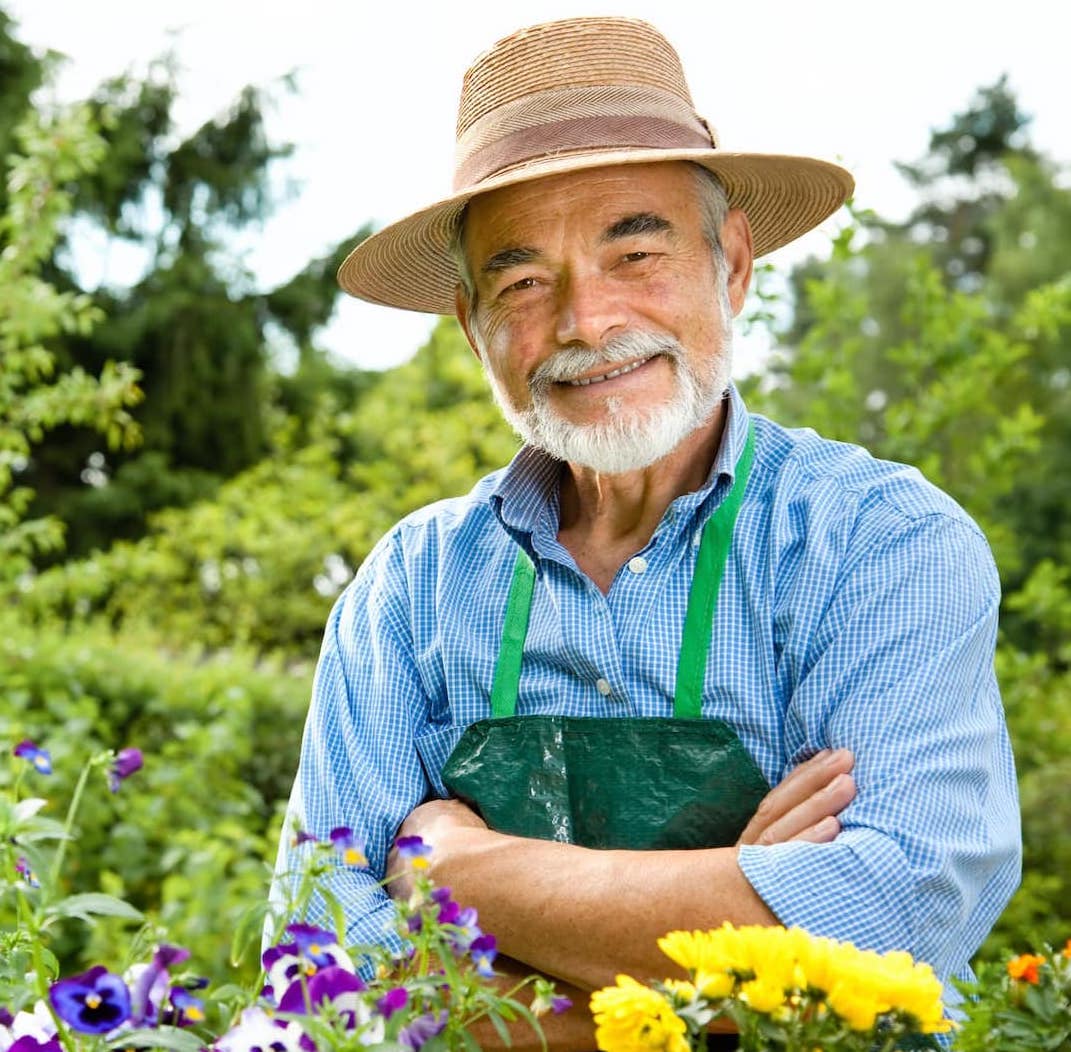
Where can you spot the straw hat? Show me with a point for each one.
(564, 96)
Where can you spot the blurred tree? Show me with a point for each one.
(261, 563)
(995, 220)
(193, 324)
(35, 396)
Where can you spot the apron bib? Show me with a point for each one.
(639, 783)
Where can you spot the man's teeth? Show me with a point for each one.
(608, 376)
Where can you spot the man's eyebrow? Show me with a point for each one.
(640, 223)
(509, 257)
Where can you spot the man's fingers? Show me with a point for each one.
(811, 792)
(820, 833)
(827, 803)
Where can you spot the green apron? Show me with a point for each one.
(641, 783)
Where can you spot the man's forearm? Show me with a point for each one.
(584, 915)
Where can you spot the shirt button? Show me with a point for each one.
(637, 564)
(697, 537)
(603, 687)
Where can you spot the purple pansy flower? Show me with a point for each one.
(6, 1018)
(258, 1030)
(188, 1009)
(126, 763)
(314, 944)
(312, 949)
(29, 1043)
(414, 851)
(483, 951)
(350, 849)
(341, 990)
(151, 985)
(560, 1004)
(392, 1001)
(421, 1030)
(301, 837)
(331, 984)
(461, 921)
(94, 1002)
(40, 758)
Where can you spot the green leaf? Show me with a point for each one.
(500, 1027)
(248, 929)
(93, 904)
(162, 1037)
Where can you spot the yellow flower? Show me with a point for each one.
(854, 1005)
(762, 996)
(630, 1017)
(714, 985)
(719, 950)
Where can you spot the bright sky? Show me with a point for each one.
(860, 83)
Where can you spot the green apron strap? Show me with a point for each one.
(507, 679)
(709, 568)
(698, 620)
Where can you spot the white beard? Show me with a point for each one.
(630, 439)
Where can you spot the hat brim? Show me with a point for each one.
(408, 264)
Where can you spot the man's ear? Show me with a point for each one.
(463, 308)
(736, 243)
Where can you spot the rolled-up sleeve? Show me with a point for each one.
(900, 672)
(358, 766)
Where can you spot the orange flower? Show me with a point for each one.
(1025, 966)
(1067, 950)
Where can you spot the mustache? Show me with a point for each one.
(572, 362)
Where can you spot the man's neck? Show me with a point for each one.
(604, 519)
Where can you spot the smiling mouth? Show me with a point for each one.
(631, 367)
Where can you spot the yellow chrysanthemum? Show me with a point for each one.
(705, 951)
(683, 992)
(855, 1006)
(714, 985)
(630, 1017)
(912, 989)
(762, 996)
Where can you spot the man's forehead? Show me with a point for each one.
(610, 202)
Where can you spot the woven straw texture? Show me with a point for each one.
(572, 95)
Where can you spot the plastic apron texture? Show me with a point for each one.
(640, 783)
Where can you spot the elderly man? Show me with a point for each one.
(621, 685)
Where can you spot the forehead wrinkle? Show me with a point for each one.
(639, 223)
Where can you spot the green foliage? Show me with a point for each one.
(1023, 1003)
(199, 824)
(261, 562)
(193, 324)
(34, 396)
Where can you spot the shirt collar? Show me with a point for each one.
(527, 490)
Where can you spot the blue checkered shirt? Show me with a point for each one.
(858, 610)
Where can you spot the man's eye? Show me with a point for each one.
(636, 257)
(520, 284)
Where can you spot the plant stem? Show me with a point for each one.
(68, 825)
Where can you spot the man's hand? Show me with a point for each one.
(806, 804)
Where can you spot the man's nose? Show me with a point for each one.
(589, 309)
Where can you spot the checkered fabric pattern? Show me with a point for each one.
(858, 609)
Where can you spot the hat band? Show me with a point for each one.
(587, 134)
